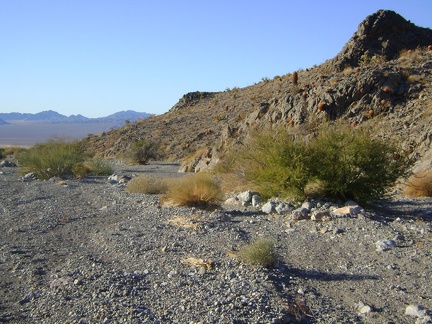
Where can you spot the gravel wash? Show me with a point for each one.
(86, 251)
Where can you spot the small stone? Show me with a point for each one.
(348, 211)
(320, 215)
(323, 230)
(269, 207)
(284, 208)
(338, 230)
(232, 201)
(256, 200)
(300, 213)
(385, 245)
(415, 310)
(308, 205)
(365, 309)
(245, 197)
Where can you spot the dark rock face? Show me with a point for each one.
(192, 98)
(383, 33)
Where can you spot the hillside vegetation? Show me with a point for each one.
(381, 79)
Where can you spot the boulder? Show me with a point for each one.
(300, 213)
(269, 207)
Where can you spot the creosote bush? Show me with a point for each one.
(147, 185)
(199, 189)
(342, 163)
(51, 158)
(99, 167)
(259, 252)
(420, 185)
(143, 151)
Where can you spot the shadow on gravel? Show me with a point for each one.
(296, 308)
(282, 278)
(409, 209)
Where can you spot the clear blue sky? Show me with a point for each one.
(97, 57)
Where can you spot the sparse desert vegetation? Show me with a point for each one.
(341, 163)
(148, 185)
(54, 158)
(259, 252)
(420, 184)
(195, 190)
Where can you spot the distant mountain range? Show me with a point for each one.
(54, 117)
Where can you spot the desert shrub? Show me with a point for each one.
(199, 189)
(273, 162)
(343, 163)
(259, 252)
(420, 185)
(10, 150)
(143, 151)
(99, 167)
(80, 170)
(147, 185)
(52, 158)
(352, 165)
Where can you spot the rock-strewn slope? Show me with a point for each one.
(85, 251)
(380, 78)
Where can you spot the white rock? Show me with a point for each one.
(319, 215)
(365, 309)
(384, 245)
(245, 197)
(256, 200)
(415, 310)
(308, 205)
(269, 207)
(232, 201)
(283, 208)
(348, 211)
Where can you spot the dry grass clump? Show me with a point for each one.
(420, 185)
(147, 185)
(259, 252)
(184, 223)
(199, 190)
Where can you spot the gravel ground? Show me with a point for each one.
(86, 251)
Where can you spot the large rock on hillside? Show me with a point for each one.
(384, 33)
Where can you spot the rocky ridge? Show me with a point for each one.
(380, 79)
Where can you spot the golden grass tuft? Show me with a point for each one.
(259, 252)
(147, 185)
(420, 185)
(199, 190)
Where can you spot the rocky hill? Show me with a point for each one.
(381, 78)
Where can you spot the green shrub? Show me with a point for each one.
(99, 167)
(143, 151)
(52, 158)
(352, 165)
(343, 163)
(259, 252)
(147, 185)
(275, 163)
(199, 189)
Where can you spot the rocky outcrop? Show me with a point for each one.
(384, 33)
(191, 98)
(381, 77)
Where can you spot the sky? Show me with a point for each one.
(98, 57)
